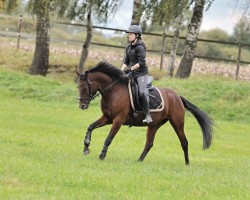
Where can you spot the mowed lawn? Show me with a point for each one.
(41, 143)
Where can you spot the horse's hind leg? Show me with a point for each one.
(178, 126)
(151, 131)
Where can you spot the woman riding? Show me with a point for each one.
(135, 61)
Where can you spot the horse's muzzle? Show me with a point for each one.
(83, 106)
(82, 103)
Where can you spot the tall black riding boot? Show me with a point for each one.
(145, 107)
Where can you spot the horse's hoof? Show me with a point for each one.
(101, 157)
(86, 152)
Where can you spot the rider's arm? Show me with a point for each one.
(124, 67)
(141, 53)
(135, 67)
(125, 61)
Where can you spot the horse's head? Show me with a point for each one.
(85, 90)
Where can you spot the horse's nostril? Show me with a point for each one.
(83, 106)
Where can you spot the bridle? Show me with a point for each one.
(92, 95)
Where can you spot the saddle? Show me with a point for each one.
(154, 96)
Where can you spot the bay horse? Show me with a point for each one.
(105, 79)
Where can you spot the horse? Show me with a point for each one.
(105, 79)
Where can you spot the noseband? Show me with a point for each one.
(92, 94)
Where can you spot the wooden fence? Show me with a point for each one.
(238, 60)
(162, 52)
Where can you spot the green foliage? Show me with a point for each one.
(241, 31)
(163, 12)
(210, 50)
(215, 34)
(220, 50)
(101, 9)
(10, 23)
(8, 5)
(37, 7)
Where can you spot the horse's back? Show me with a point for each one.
(169, 93)
(172, 101)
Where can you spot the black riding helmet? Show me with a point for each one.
(134, 29)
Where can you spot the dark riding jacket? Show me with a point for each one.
(136, 54)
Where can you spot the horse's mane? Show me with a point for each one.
(108, 69)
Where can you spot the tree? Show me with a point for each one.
(186, 63)
(212, 49)
(164, 12)
(169, 14)
(42, 10)
(40, 62)
(241, 31)
(242, 28)
(159, 11)
(85, 47)
(177, 25)
(100, 11)
(136, 16)
(8, 5)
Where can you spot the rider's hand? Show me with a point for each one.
(125, 75)
(128, 70)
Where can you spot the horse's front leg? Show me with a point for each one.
(114, 129)
(102, 121)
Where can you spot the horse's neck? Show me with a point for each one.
(101, 81)
(108, 87)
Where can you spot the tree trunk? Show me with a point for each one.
(175, 44)
(136, 16)
(186, 63)
(85, 47)
(40, 63)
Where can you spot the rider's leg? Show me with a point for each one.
(142, 83)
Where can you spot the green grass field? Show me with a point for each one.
(42, 130)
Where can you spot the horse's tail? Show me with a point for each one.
(205, 122)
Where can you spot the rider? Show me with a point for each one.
(135, 61)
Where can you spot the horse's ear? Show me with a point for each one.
(77, 73)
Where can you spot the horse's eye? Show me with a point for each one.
(81, 77)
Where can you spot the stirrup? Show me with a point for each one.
(147, 119)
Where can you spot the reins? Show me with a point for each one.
(97, 93)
